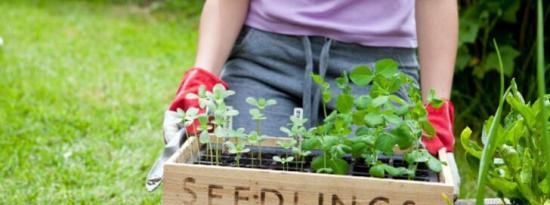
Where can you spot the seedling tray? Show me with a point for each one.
(190, 178)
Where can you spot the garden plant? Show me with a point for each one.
(362, 131)
(516, 146)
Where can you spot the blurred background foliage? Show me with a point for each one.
(475, 90)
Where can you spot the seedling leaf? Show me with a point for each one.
(433, 100)
(361, 75)
(386, 67)
(344, 103)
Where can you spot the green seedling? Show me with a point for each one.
(238, 147)
(214, 103)
(284, 161)
(221, 112)
(514, 159)
(254, 139)
(257, 115)
(297, 132)
(383, 120)
(188, 118)
(204, 137)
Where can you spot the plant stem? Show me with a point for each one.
(540, 78)
(209, 151)
(239, 160)
(324, 111)
(325, 161)
(258, 126)
(217, 150)
(487, 154)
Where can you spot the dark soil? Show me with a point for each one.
(357, 167)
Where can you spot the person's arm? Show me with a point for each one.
(437, 33)
(220, 23)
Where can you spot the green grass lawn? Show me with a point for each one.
(83, 87)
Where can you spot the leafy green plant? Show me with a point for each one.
(260, 105)
(296, 132)
(213, 103)
(514, 160)
(221, 112)
(368, 126)
(283, 160)
(239, 146)
(364, 127)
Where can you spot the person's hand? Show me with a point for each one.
(442, 120)
(192, 80)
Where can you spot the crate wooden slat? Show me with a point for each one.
(187, 183)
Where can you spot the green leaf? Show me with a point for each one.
(526, 177)
(511, 157)
(204, 138)
(385, 143)
(361, 75)
(510, 11)
(336, 166)
(344, 103)
(427, 127)
(256, 114)
(433, 100)
(509, 55)
(392, 118)
(363, 101)
(386, 67)
(359, 117)
(271, 102)
(507, 188)
(469, 30)
(417, 156)
(342, 81)
(262, 103)
(396, 171)
(398, 100)
(434, 164)
(289, 159)
(544, 185)
(377, 171)
(327, 96)
(358, 148)
(203, 121)
(404, 136)
(317, 79)
(320, 81)
(373, 119)
(463, 58)
(470, 147)
(525, 111)
(380, 100)
(252, 101)
(339, 166)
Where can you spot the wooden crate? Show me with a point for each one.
(191, 184)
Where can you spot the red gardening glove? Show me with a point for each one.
(192, 80)
(442, 120)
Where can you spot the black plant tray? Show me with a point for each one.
(357, 167)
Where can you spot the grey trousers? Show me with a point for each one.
(277, 66)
